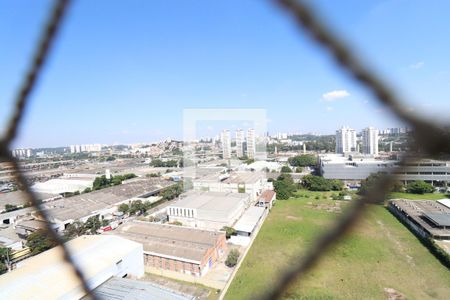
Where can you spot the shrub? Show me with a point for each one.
(232, 258)
(419, 187)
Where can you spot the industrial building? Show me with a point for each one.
(249, 220)
(251, 183)
(48, 276)
(175, 248)
(124, 288)
(426, 217)
(17, 199)
(358, 167)
(102, 203)
(208, 210)
(65, 184)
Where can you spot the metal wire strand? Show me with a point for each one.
(38, 62)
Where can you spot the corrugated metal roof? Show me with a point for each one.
(122, 288)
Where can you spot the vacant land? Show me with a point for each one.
(429, 196)
(379, 254)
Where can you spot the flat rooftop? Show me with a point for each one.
(246, 177)
(34, 276)
(214, 206)
(249, 219)
(209, 200)
(87, 204)
(189, 244)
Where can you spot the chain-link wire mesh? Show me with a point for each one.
(429, 139)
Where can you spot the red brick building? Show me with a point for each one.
(176, 248)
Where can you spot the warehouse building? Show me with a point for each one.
(48, 276)
(249, 221)
(124, 288)
(69, 183)
(18, 198)
(102, 203)
(175, 248)
(251, 183)
(208, 210)
(426, 217)
(359, 167)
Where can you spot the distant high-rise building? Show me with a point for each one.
(251, 143)
(72, 148)
(239, 143)
(370, 141)
(226, 144)
(345, 140)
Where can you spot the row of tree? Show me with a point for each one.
(103, 182)
(303, 161)
(415, 187)
(318, 183)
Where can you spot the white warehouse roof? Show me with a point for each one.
(48, 276)
(445, 202)
(249, 219)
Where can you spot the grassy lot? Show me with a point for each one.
(430, 196)
(380, 253)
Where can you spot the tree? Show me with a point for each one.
(303, 160)
(232, 258)
(124, 208)
(419, 187)
(136, 207)
(10, 207)
(100, 182)
(284, 186)
(298, 170)
(5, 254)
(110, 158)
(153, 175)
(74, 229)
(229, 231)
(318, 183)
(92, 225)
(87, 190)
(249, 161)
(39, 241)
(286, 169)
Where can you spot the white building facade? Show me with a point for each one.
(345, 140)
(226, 144)
(370, 141)
(239, 143)
(251, 143)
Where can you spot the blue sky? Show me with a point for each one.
(123, 71)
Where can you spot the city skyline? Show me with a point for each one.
(94, 95)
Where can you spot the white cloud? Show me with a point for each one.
(417, 65)
(329, 108)
(334, 95)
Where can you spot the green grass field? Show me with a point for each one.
(431, 196)
(380, 253)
